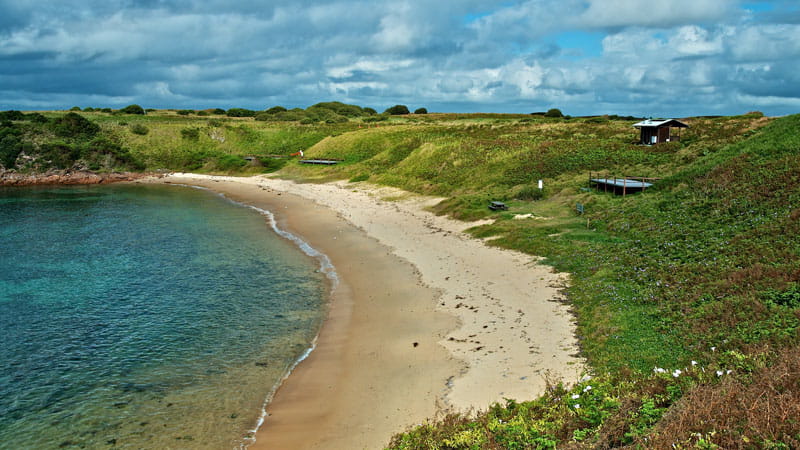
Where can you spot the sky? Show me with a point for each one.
(645, 58)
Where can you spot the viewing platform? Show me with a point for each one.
(622, 186)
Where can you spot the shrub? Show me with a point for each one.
(553, 112)
(369, 111)
(190, 134)
(74, 125)
(397, 110)
(139, 129)
(132, 109)
(36, 118)
(376, 118)
(88, 109)
(421, 111)
(185, 112)
(230, 162)
(10, 148)
(12, 115)
(202, 113)
(529, 192)
(241, 112)
(275, 110)
(338, 108)
(75, 108)
(218, 111)
(106, 110)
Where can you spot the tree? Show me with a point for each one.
(241, 112)
(35, 117)
(74, 125)
(397, 110)
(275, 109)
(421, 111)
(12, 115)
(553, 112)
(132, 109)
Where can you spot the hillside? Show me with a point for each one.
(686, 296)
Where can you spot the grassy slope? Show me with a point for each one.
(707, 260)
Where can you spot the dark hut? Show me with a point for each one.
(658, 131)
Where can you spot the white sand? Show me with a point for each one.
(512, 328)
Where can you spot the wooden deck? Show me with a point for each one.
(325, 162)
(621, 185)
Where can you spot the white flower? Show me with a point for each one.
(694, 363)
(587, 389)
(677, 373)
(577, 406)
(576, 396)
(659, 370)
(586, 378)
(713, 349)
(719, 373)
(728, 372)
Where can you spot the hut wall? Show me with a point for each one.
(663, 134)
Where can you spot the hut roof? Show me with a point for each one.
(661, 123)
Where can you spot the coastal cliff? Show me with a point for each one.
(67, 177)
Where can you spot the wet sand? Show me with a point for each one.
(424, 318)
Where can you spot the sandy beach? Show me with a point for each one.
(424, 319)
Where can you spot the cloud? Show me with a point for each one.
(657, 14)
(619, 56)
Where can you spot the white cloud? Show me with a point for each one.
(659, 14)
(476, 55)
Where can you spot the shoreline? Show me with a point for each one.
(70, 177)
(425, 319)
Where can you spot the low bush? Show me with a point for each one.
(139, 129)
(397, 110)
(74, 125)
(241, 112)
(190, 134)
(132, 109)
(275, 109)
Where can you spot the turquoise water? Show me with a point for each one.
(144, 317)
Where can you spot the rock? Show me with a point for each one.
(68, 177)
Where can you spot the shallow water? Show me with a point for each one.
(144, 317)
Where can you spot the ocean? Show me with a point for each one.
(146, 316)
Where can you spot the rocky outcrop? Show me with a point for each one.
(65, 177)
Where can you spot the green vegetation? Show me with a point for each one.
(36, 143)
(397, 110)
(132, 109)
(686, 296)
(553, 112)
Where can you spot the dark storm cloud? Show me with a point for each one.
(721, 55)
